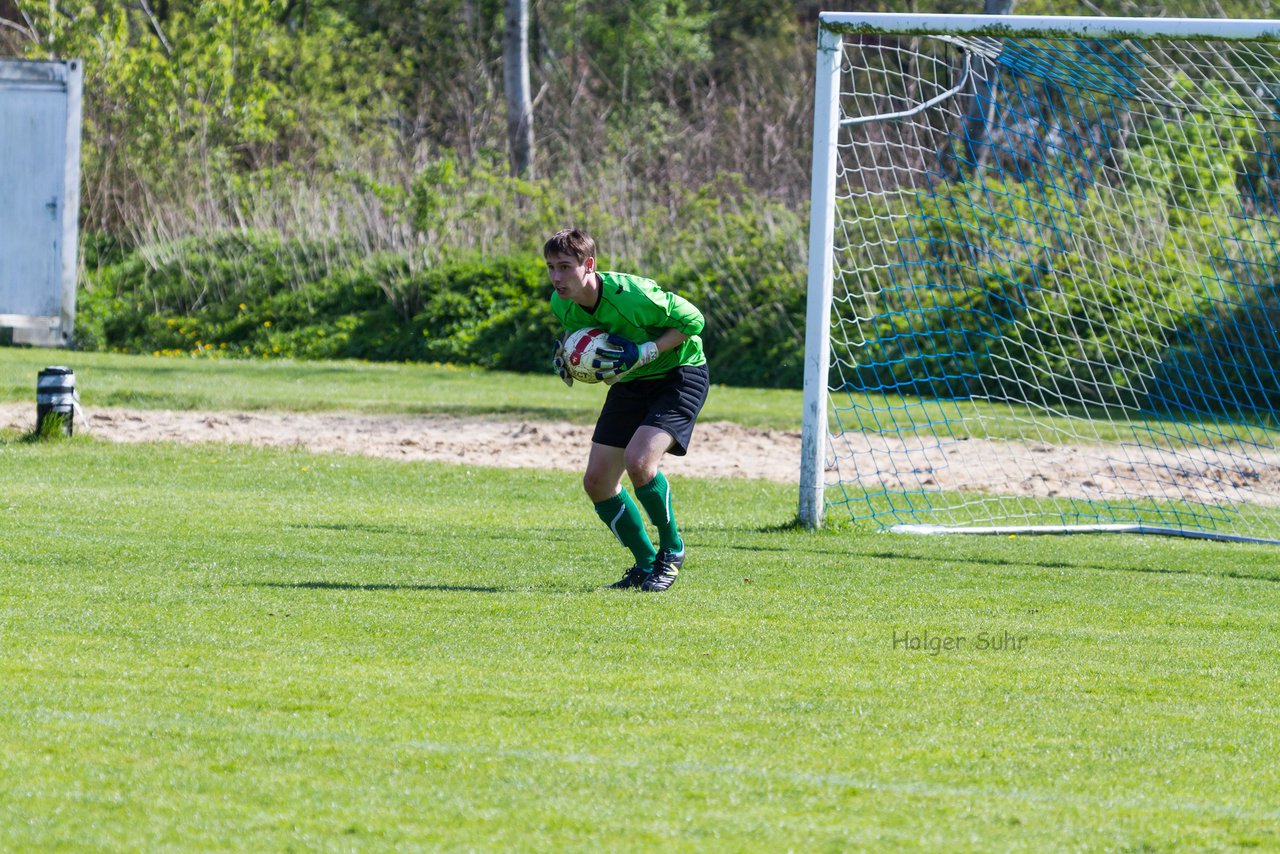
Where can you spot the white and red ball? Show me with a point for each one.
(581, 353)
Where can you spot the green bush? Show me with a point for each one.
(1003, 302)
(1013, 305)
(236, 296)
(256, 293)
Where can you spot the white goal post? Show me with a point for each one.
(1044, 276)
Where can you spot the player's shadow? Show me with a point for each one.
(501, 535)
(379, 587)
(360, 527)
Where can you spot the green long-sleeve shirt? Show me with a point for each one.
(636, 308)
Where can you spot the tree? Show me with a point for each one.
(982, 101)
(515, 57)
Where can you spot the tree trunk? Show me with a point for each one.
(982, 101)
(515, 56)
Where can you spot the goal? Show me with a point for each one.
(1044, 276)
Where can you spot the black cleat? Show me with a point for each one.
(665, 570)
(635, 577)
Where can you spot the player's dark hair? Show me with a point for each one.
(572, 242)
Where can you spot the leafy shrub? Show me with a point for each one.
(1010, 305)
(235, 296)
(256, 293)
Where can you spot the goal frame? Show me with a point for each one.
(832, 27)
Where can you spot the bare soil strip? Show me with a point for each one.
(723, 449)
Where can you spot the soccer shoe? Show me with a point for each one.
(635, 577)
(665, 570)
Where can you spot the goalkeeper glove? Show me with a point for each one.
(559, 363)
(619, 356)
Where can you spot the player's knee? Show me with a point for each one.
(641, 471)
(597, 488)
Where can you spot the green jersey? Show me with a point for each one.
(636, 308)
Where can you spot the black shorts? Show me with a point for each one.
(670, 402)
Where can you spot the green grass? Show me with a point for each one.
(219, 648)
(113, 379)
(147, 382)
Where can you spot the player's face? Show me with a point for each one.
(572, 279)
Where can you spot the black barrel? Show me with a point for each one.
(56, 396)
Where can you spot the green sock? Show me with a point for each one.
(623, 517)
(655, 496)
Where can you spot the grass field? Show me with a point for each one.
(217, 648)
(111, 379)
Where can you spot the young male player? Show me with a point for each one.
(658, 377)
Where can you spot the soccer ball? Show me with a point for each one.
(581, 353)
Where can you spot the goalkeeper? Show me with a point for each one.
(658, 382)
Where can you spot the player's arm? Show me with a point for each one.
(669, 340)
(624, 355)
(684, 316)
(680, 320)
